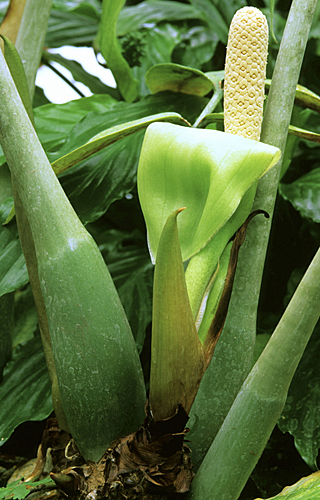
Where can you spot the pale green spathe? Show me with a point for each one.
(206, 171)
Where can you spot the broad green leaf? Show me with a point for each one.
(304, 194)
(306, 489)
(177, 78)
(76, 26)
(84, 118)
(13, 271)
(80, 75)
(301, 414)
(25, 317)
(55, 121)
(154, 11)
(39, 98)
(199, 44)
(111, 51)
(110, 136)
(110, 174)
(25, 392)
(19, 490)
(177, 358)
(132, 272)
(206, 171)
(77, 5)
(95, 183)
(6, 321)
(214, 18)
(159, 42)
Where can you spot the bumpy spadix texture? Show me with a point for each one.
(245, 73)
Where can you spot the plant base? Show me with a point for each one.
(150, 464)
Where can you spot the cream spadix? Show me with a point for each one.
(206, 171)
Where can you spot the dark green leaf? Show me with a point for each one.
(301, 414)
(19, 490)
(25, 392)
(199, 44)
(261, 342)
(39, 98)
(25, 317)
(5, 183)
(110, 136)
(70, 5)
(79, 74)
(55, 121)
(6, 321)
(13, 271)
(213, 17)
(177, 78)
(154, 11)
(77, 26)
(95, 183)
(160, 42)
(132, 272)
(304, 194)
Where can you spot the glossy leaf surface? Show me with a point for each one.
(178, 78)
(301, 414)
(95, 183)
(154, 11)
(13, 271)
(109, 136)
(304, 194)
(25, 392)
(306, 489)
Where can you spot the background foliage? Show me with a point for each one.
(103, 191)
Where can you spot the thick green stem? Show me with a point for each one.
(274, 131)
(99, 374)
(239, 333)
(30, 44)
(258, 405)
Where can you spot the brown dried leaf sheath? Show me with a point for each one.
(152, 463)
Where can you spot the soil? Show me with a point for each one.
(280, 465)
